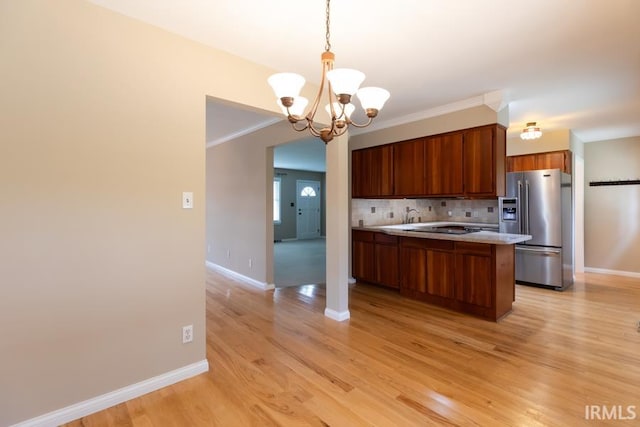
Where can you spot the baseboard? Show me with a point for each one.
(612, 272)
(99, 403)
(337, 315)
(241, 277)
(351, 280)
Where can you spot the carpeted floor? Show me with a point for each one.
(299, 262)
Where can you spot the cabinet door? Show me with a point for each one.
(372, 172)
(521, 163)
(358, 177)
(408, 168)
(386, 265)
(479, 162)
(474, 279)
(413, 269)
(363, 261)
(549, 160)
(554, 160)
(441, 274)
(444, 165)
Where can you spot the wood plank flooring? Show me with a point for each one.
(275, 360)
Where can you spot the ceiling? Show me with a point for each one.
(565, 64)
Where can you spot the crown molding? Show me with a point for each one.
(421, 115)
(243, 132)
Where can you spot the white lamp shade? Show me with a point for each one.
(286, 85)
(531, 132)
(337, 108)
(345, 81)
(373, 97)
(297, 109)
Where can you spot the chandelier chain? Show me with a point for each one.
(327, 46)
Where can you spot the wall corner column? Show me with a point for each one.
(337, 191)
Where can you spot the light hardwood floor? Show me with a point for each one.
(277, 361)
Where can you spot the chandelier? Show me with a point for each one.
(531, 131)
(341, 85)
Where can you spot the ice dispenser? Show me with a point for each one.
(508, 211)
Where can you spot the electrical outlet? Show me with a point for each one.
(187, 334)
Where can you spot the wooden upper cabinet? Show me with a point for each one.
(554, 160)
(467, 163)
(484, 162)
(409, 168)
(521, 163)
(444, 165)
(372, 172)
(548, 160)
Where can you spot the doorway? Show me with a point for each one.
(308, 215)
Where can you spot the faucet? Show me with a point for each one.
(406, 219)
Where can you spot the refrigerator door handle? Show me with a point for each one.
(526, 213)
(521, 217)
(546, 251)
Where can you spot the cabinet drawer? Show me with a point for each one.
(385, 238)
(416, 242)
(474, 248)
(362, 236)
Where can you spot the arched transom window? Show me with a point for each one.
(308, 192)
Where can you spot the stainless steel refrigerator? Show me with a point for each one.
(539, 203)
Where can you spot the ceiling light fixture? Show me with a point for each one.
(531, 132)
(341, 84)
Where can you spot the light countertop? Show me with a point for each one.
(489, 233)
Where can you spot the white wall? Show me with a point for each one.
(612, 213)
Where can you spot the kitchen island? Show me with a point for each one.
(461, 266)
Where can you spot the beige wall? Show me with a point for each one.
(612, 213)
(240, 202)
(101, 130)
(549, 141)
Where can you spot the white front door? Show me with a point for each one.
(308, 201)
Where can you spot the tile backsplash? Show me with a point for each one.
(366, 212)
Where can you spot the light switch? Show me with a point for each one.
(187, 200)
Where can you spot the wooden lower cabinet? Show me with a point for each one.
(427, 268)
(386, 264)
(474, 262)
(474, 278)
(375, 258)
(363, 261)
